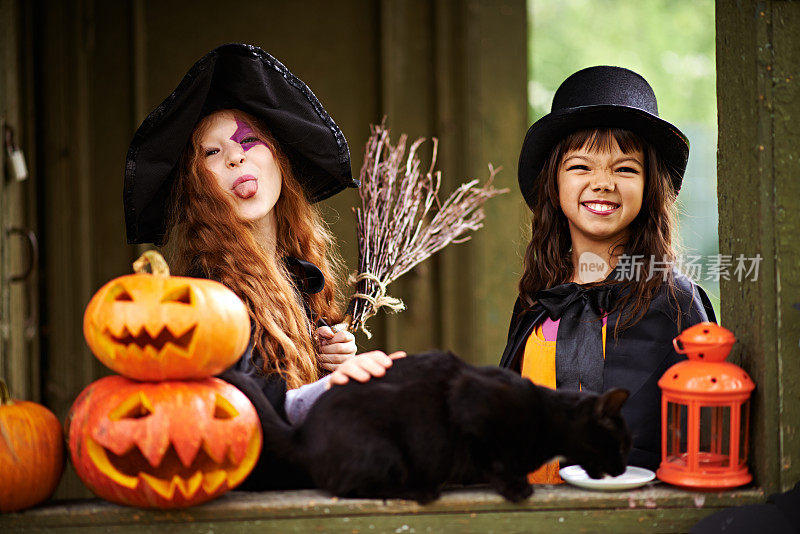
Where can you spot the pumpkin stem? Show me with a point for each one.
(5, 396)
(158, 265)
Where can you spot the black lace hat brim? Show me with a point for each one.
(544, 134)
(232, 76)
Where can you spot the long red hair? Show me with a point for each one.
(548, 257)
(208, 237)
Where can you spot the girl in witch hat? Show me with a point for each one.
(600, 299)
(227, 170)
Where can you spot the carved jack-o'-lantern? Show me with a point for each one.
(161, 327)
(162, 444)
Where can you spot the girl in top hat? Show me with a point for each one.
(599, 299)
(226, 169)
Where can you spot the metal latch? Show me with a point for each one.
(16, 158)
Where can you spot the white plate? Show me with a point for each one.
(633, 477)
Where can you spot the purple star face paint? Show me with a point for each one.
(245, 136)
(253, 181)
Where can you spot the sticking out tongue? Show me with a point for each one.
(246, 189)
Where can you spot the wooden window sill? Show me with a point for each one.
(655, 508)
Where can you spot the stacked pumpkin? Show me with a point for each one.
(167, 433)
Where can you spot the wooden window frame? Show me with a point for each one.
(759, 104)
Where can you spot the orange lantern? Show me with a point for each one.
(705, 413)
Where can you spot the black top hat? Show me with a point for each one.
(241, 77)
(598, 97)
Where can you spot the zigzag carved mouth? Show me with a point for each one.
(143, 339)
(170, 474)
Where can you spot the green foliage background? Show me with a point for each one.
(669, 42)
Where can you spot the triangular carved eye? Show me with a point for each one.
(223, 409)
(118, 292)
(182, 295)
(136, 406)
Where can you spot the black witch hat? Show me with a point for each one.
(232, 76)
(598, 97)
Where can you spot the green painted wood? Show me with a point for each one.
(656, 508)
(570, 522)
(67, 248)
(31, 333)
(18, 300)
(497, 81)
(482, 118)
(85, 111)
(407, 82)
(14, 375)
(759, 150)
(785, 80)
(456, 70)
(111, 89)
(453, 265)
(737, 161)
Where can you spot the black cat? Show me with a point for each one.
(434, 419)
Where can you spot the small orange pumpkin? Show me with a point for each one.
(31, 453)
(162, 444)
(161, 327)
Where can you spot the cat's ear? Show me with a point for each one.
(610, 403)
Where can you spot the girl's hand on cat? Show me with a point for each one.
(335, 349)
(364, 366)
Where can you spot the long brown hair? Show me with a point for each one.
(548, 257)
(210, 238)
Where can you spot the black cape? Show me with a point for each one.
(635, 361)
(268, 392)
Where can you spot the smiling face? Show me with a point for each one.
(151, 327)
(242, 164)
(162, 444)
(600, 193)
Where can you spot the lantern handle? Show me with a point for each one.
(678, 348)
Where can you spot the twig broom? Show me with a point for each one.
(401, 221)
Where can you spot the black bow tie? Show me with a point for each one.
(579, 344)
(557, 299)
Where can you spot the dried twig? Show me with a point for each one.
(399, 226)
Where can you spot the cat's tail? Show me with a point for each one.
(279, 464)
(279, 436)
